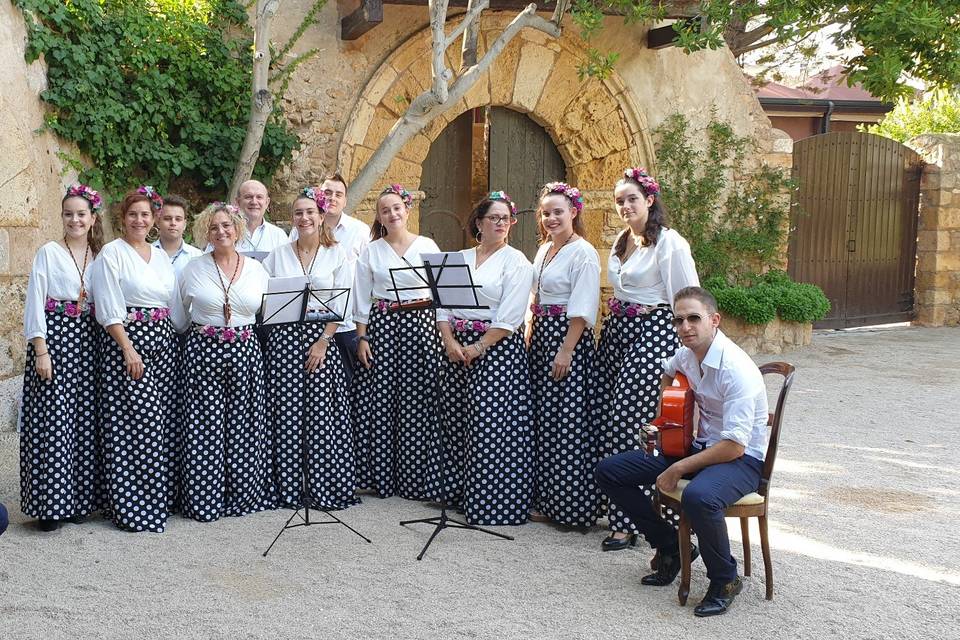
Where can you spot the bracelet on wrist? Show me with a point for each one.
(45, 353)
(364, 338)
(325, 338)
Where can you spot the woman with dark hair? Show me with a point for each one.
(135, 289)
(225, 466)
(394, 393)
(308, 396)
(562, 350)
(58, 441)
(649, 262)
(485, 398)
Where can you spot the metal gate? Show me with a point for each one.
(854, 225)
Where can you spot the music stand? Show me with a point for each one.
(457, 291)
(286, 302)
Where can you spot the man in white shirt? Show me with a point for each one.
(353, 235)
(726, 460)
(171, 223)
(262, 236)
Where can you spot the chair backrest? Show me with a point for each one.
(775, 419)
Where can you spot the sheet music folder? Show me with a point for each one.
(447, 278)
(288, 301)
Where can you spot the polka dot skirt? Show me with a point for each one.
(488, 432)
(138, 427)
(225, 466)
(566, 439)
(629, 369)
(310, 408)
(396, 429)
(59, 461)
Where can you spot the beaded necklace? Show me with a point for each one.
(227, 314)
(81, 299)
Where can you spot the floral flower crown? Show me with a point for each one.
(639, 175)
(218, 205)
(502, 196)
(572, 193)
(397, 189)
(156, 202)
(88, 194)
(315, 194)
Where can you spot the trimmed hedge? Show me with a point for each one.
(767, 296)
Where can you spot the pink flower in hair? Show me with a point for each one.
(397, 189)
(572, 193)
(315, 194)
(638, 174)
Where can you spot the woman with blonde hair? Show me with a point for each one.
(225, 467)
(59, 466)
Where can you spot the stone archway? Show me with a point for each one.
(595, 125)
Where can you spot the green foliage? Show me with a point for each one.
(764, 297)
(152, 91)
(888, 40)
(938, 112)
(735, 222)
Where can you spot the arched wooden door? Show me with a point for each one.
(522, 159)
(514, 155)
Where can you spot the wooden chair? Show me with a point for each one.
(753, 505)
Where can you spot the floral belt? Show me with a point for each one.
(404, 305)
(480, 326)
(146, 314)
(632, 309)
(225, 334)
(69, 308)
(542, 310)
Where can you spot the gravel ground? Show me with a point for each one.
(864, 494)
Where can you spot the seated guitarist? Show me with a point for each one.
(724, 464)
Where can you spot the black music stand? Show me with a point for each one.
(431, 278)
(276, 310)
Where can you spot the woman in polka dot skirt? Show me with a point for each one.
(58, 441)
(135, 290)
(307, 395)
(394, 394)
(225, 469)
(648, 264)
(562, 351)
(485, 397)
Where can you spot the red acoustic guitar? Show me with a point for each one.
(672, 431)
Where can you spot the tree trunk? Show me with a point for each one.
(261, 99)
(428, 105)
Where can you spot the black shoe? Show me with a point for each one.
(668, 568)
(77, 519)
(48, 525)
(719, 598)
(616, 544)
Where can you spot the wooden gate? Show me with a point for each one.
(854, 225)
(522, 159)
(446, 185)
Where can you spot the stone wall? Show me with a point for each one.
(31, 183)
(779, 336)
(938, 233)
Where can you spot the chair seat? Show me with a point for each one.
(747, 500)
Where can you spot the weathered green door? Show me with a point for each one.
(445, 181)
(522, 159)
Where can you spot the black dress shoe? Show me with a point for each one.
(616, 544)
(719, 598)
(668, 567)
(48, 525)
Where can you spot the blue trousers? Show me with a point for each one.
(3, 519)
(710, 492)
(347, 343)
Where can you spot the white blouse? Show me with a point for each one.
(572, 278)
(54, 275)
(202, 297)
(120, 278)
(652, 275)
(330, 270)
(505, 279)
(184, 254)
(373, 274)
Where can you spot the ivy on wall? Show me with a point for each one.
(736, 222)
(151, 91)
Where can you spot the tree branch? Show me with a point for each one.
(471, 19)
(438, 65)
